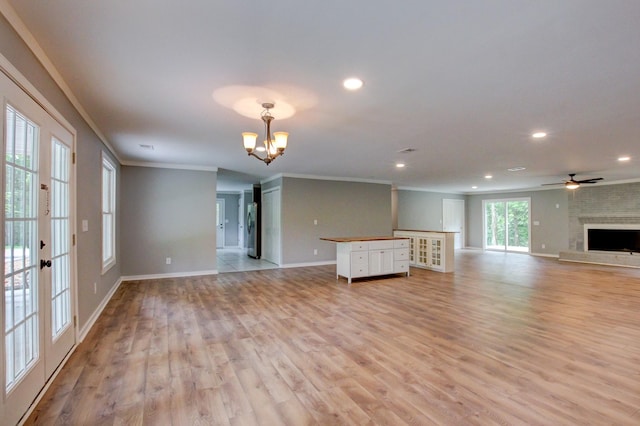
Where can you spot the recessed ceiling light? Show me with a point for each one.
(516, 169)
(539, 135)
(488, 176)
(400, 165)
(625, 158)
(352, 83)
(474, 187)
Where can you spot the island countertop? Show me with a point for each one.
(354, 239)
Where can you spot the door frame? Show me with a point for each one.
(14, 75)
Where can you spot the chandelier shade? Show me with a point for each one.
(274, 146)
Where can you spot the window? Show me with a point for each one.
(108, 213)
(507, 224)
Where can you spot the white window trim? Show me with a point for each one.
(107, 164)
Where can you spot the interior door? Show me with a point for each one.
(453, 220)
(271, 226)
(220, 221)
(37, 299)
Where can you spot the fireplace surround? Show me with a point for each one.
(608, 237)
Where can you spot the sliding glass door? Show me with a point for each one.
(507, 224)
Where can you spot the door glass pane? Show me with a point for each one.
(60, 241)
(20, 246)
(495, 225)
(518, 225)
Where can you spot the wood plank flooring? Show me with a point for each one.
(508, 339)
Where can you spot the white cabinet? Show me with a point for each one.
(355, 259)
(430, 249)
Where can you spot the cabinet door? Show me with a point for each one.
(381, 262)
(412, 250)
(435, 253)
(422, 251)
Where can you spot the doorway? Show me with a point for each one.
(39, 291)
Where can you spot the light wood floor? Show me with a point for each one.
(505, 340)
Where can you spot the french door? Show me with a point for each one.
(38, 310)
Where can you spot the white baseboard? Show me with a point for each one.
(171, 275)
(303, 265)
(555, 256)
(96, 314)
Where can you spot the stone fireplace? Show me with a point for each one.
(605, 207)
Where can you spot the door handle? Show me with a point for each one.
(44, 263)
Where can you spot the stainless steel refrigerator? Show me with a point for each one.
(253, 233)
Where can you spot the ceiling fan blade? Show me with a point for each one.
(593, 180)
(558, 183)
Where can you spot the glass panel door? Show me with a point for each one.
(507, 225)
(38, 310)
(21, 283)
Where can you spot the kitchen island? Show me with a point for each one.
(358, 257)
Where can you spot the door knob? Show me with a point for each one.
(44, 263)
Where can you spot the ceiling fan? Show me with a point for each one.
(574, 184)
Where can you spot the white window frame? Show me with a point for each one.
(108, 202)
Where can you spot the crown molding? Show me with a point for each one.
(169, 166)
(19, 26)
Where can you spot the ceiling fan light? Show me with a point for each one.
(571, 185)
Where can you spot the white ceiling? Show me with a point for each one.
(463, 82)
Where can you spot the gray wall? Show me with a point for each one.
(231, 212)
(343, 209)
(549, 208)
(88, 178)
(422, 210)
(601, 204)
(167, 213)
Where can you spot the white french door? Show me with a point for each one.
(38, 327)
(271, 226)
(220, 223)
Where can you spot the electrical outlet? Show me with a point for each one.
(544, 246)
(95, 288)
(315, 221)
(315, 252)
(168, 261)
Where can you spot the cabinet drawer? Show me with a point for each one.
(360, 258)
(359, 270)
(401, 254)
(401, 243)
(359, 246)
(381, 245)
(401, 266)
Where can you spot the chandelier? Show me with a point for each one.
(273, 146)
